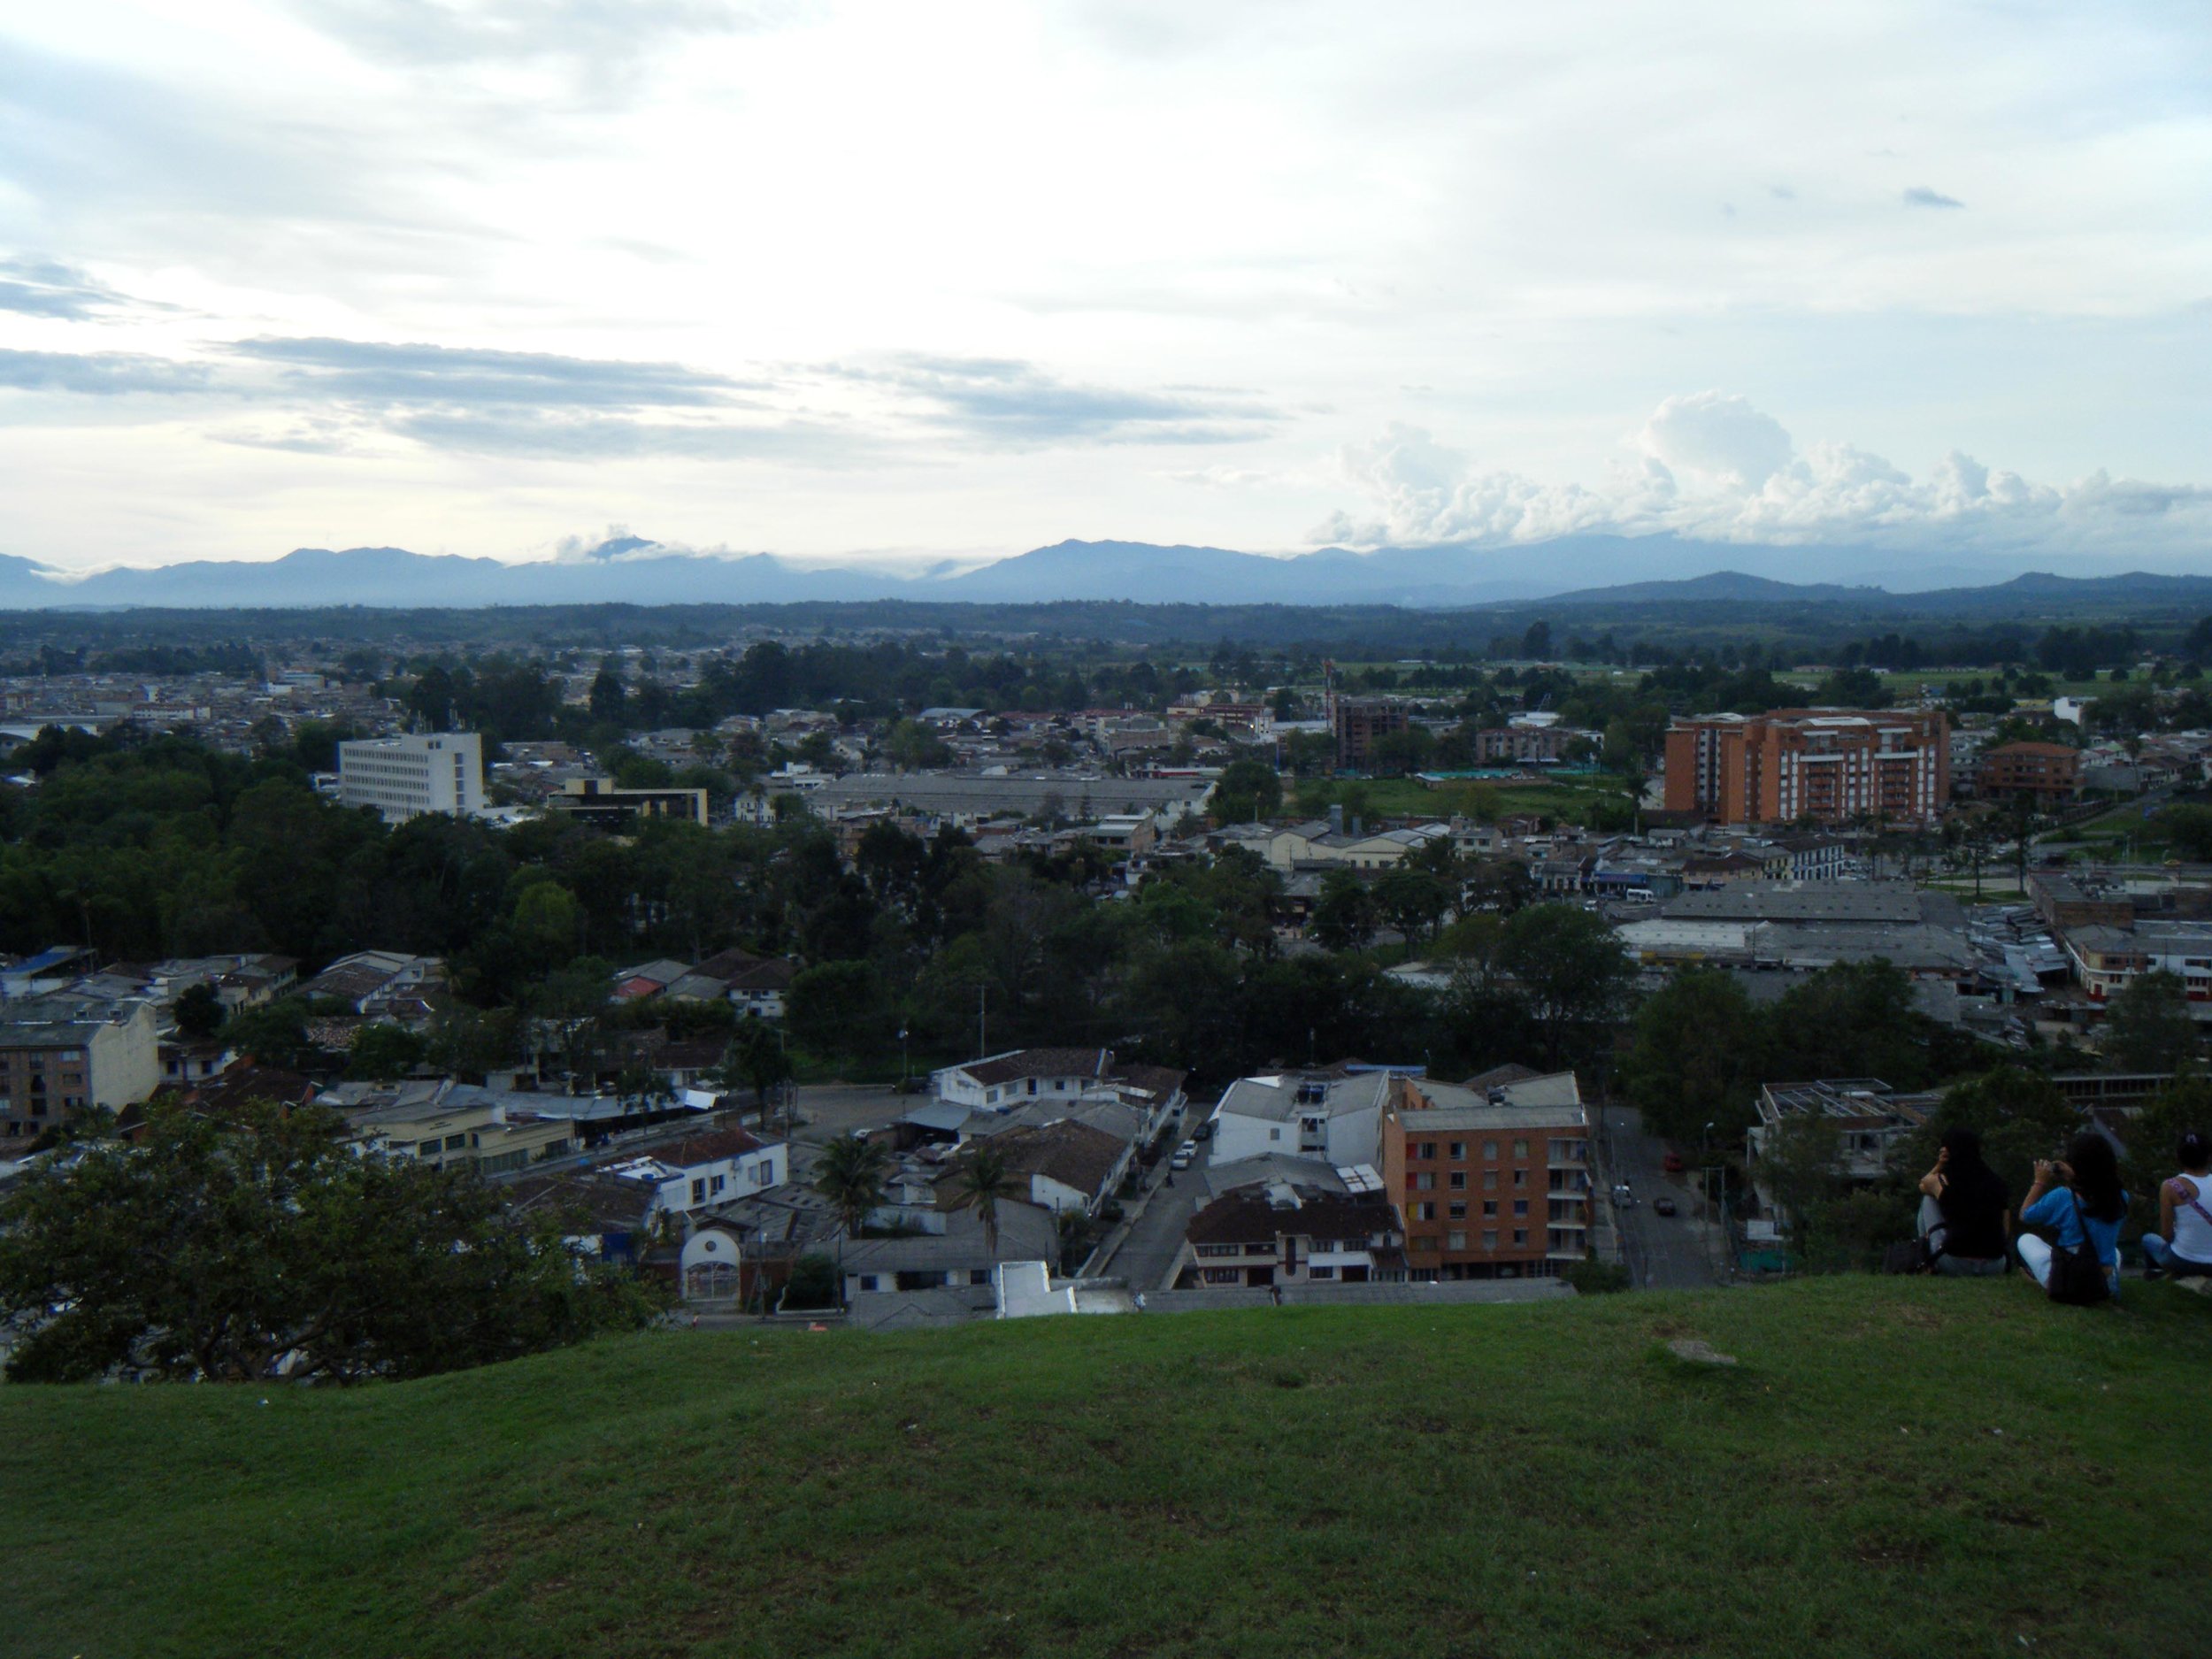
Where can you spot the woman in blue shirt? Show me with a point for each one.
(2078, 1198)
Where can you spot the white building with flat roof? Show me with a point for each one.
(421, 772)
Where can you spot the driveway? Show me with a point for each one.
(829, 1110)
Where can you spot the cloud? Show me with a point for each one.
(1710, 466)
(99, 374)
(33, 287)
(557, 435)
(1219, 477)
(1719, 435)
(1921, 195)
(450, 374)
(1015, 403)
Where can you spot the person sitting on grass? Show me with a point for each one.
(2182, 1246)
(1962, 1210)
(2078, 1197)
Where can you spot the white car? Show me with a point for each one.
(1184, 1154)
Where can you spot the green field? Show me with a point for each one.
(1895, 1467)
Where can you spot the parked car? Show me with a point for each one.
(1664, 1206)
(1622, 1196)
(1205, 1130)
(1184, 1154)
(1673, 1162)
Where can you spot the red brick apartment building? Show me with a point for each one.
(1829, 765)
(1357, 722)
(1489, 1183)
(2049, 771)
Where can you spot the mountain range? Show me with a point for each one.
(1569, 570)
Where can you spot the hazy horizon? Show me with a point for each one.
(872, 287)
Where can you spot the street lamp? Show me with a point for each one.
(905, 1071)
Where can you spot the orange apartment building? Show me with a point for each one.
(1827, 765)
(1492, 1183)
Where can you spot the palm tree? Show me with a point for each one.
(850, 1176)
(984, 1180)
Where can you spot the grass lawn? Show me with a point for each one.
(1896, 1467)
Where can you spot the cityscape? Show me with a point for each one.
(1094, 829)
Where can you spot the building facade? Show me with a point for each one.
(407, 776)
(1821, 765)
(1358, 723)
(1492, 1183)
(2046, 771)
(56, 1059)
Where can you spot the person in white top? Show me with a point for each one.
(2183, 1244)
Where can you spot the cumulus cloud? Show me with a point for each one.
(1921, 195)
(1712, 467)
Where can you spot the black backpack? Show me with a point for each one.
(2076, 1276)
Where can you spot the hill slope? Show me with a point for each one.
(1895, 1467)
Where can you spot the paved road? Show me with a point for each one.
(1147, 1252)
(1678, 1252)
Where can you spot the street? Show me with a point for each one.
(1678, 1252)
(1147, 1252)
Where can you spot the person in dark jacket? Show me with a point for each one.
(1963, 1214)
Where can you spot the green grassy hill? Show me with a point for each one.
(1898, 1467)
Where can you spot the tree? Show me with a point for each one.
(1696, 1056)
(275, 1034)
(851, 1176)
(1568, 968)
(2148, 1027)
(227, 1250)
(1797, 1159)
(199, 1012)
(985, 1180)
(838, 1008)
(1413, 899)
(1246, 790)
(2153, 1134)
(2190, 830)
(755, 1059)
(1344, 914)
(382, 1051)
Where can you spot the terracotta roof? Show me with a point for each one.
(1074, 1155)
(724, 964)
(1043, 1062)
(1498, 1076)
(775, 974)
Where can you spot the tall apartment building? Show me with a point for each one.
(405, 777)
(55, 1058)
(2048, 772)
(1489, 1183)
(1357, 722)
(1829, 765)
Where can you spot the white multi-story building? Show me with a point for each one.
(405, 776)
(1330, 1119)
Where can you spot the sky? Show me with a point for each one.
(895, 282)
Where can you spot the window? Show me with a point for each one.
(716, 1184)
(1520, 1178)
(1423, 1212)
(1520, 1235)
(1274, 1134)
(1454, 1240)
(1425, 1182)
(1520, 1206)
(1459, 1151)
(1490, 1181)
(1490, 1150)
(1459, 1180)
(1456, 1212)
(1520, 1149)
(1489, 1206)
(1489, 1238)
(978, 1275)
(1321, 1272)
(1428, 1149)
(454, 1143)
(1224, 1275)
(867, 1282)
(1221, 1250)
(698, 1191)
